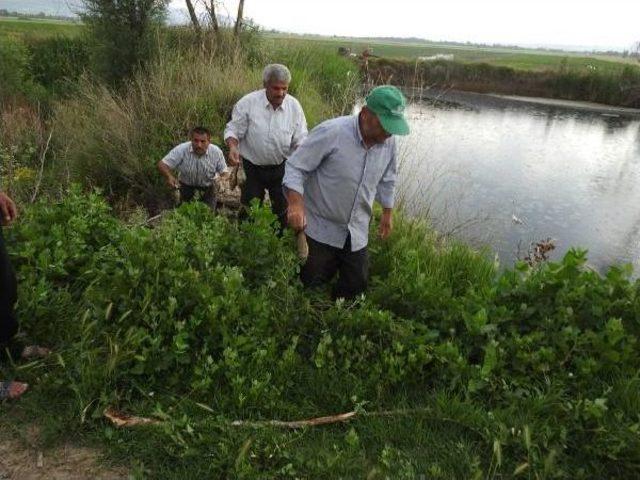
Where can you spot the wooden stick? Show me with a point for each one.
(303, 246)
(41, 171)
(343, 417)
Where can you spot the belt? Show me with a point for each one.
(265, 167)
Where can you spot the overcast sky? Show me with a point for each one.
(589, 23)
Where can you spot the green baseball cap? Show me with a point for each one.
(388, 103)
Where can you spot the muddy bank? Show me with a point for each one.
(608, 88)
(474, 100)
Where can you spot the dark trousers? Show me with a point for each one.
(325, 261)
(261, 179)
(8, 296)
(207, 194)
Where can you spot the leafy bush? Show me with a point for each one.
(15, 80)
(58, 62)
(528, 370)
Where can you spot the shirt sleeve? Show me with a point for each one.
(221, 165)
(308, 157)
(174, 157)
(237, 127)
(300, 130)
(385, 191)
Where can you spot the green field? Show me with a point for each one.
(521, 59)
(36, 28)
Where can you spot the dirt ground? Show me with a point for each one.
(19, 460)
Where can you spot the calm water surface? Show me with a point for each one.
(506, 176)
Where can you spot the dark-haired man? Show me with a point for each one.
(331, 182)
(196, 163)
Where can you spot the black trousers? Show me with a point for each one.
(325, 261)
(207, 194)
(261, 179)
(8, 296)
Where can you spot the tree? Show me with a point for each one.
(635, 51)
(211, 9)
(238, 25)
(122, 31)
(194, 18)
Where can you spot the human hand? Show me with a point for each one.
(8, 209)
(173, 182)
(234, 156)
(386, 225)
(295, 217)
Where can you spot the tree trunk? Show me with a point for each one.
(236, 29)
(194, 17)
(211, 8)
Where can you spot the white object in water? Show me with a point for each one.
(516, 220)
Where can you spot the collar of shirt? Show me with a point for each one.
(191, 151)
(356, 127)
(267, 103)
(358, 135)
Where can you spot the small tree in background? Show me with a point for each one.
(122, 31)
(635, 51)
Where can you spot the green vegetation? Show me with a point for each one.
(18, 28)
(455, 370)
(520, 59)
(614, 88)
(201, 321)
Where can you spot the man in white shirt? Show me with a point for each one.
(197, 162)
(266, 127)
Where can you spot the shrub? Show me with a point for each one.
(58, 62)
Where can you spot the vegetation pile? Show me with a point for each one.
(202, 321)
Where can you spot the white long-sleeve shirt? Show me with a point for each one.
(266, 136)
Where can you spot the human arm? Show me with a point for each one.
(8, 209)
(305, 160)
(236, 129)
(221, 165)
(385, 193)
(167, 173)
(386, 223)
(300, 130)
(295, 211)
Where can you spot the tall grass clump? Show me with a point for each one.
(113, 140)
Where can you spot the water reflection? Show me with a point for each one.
(507, 176)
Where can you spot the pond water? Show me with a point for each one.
(504, 174)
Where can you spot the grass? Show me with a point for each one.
(528, 60)
(37, 28)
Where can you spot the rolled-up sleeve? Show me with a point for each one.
(307, 157)
(237, 127)
(174, 157)
(385, 192)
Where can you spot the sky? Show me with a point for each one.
(604, 24)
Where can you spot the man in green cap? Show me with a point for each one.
(331, 182)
